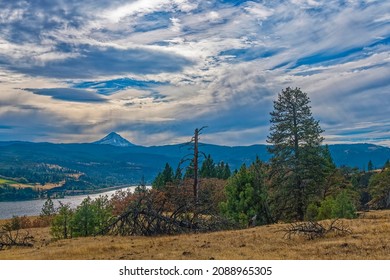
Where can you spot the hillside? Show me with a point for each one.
(369, 240)
(113, 161)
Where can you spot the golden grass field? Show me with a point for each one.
(370, 239)
(46, 186)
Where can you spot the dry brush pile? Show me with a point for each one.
(172, 211)
(13, 234)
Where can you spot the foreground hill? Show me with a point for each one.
(369, 240)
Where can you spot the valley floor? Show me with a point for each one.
(370, 239)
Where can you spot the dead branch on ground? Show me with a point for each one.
(10, 237)
(313, 229)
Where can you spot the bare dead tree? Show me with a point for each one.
(313, 229)
(196, 163)
(193, 157)
(195, 141)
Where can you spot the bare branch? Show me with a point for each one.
(313, 229)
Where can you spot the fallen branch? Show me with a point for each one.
(16, 238)
(314, 229)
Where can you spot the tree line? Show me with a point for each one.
(209, 169)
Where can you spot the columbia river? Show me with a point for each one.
(33, 207)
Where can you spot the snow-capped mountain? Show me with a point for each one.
(114, 139)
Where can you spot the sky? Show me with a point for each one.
(153, 71)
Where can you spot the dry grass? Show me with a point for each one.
(47, 186)
(370, 239)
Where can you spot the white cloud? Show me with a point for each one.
(258, 10)
(214, 16)
(240, 56)
(11, 15)
(138, 7)
(176, 26)
(186, 6)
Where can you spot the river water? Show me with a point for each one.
(34, 207)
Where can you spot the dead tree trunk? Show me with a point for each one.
(196, 166)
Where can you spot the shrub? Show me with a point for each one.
(311, 212)
(344, 207)
(340, 207)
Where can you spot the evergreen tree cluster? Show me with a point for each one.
(40, 174)
(247, 195)
(88, 219)
(209, 169)
(300, 181)
(9, 193)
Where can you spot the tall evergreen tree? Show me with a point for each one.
(178, 174)
(61, 225)
(164, 177)
(379, 188)
(297, 157)
(208, 168)
(223, 170)
(226, 172)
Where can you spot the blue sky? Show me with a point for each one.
(153, 71)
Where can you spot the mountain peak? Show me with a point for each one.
(114, 139)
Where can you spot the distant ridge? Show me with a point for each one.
(119, 162)
(114, 139)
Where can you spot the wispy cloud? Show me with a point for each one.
(154, 70)
(67, 94)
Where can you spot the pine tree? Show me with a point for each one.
(178, 174)
(208, 168)
(370, 165)
(379, 188)
(223, 171)
(61, 225)
(226, 172)
(48, 208)
(189, 174)
(247, 196)
(297, 161)
(164, 177)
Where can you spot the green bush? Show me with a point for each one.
(344, 207)
(340, 207)
(246, 196)
(91, 216)
(311, 212)
(326, 209)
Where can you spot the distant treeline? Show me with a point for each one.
(8, 193)
(35, 174)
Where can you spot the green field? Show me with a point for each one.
(6, 181)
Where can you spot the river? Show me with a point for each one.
(34, 207)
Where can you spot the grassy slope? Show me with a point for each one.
(370, 239)
(6, 181)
